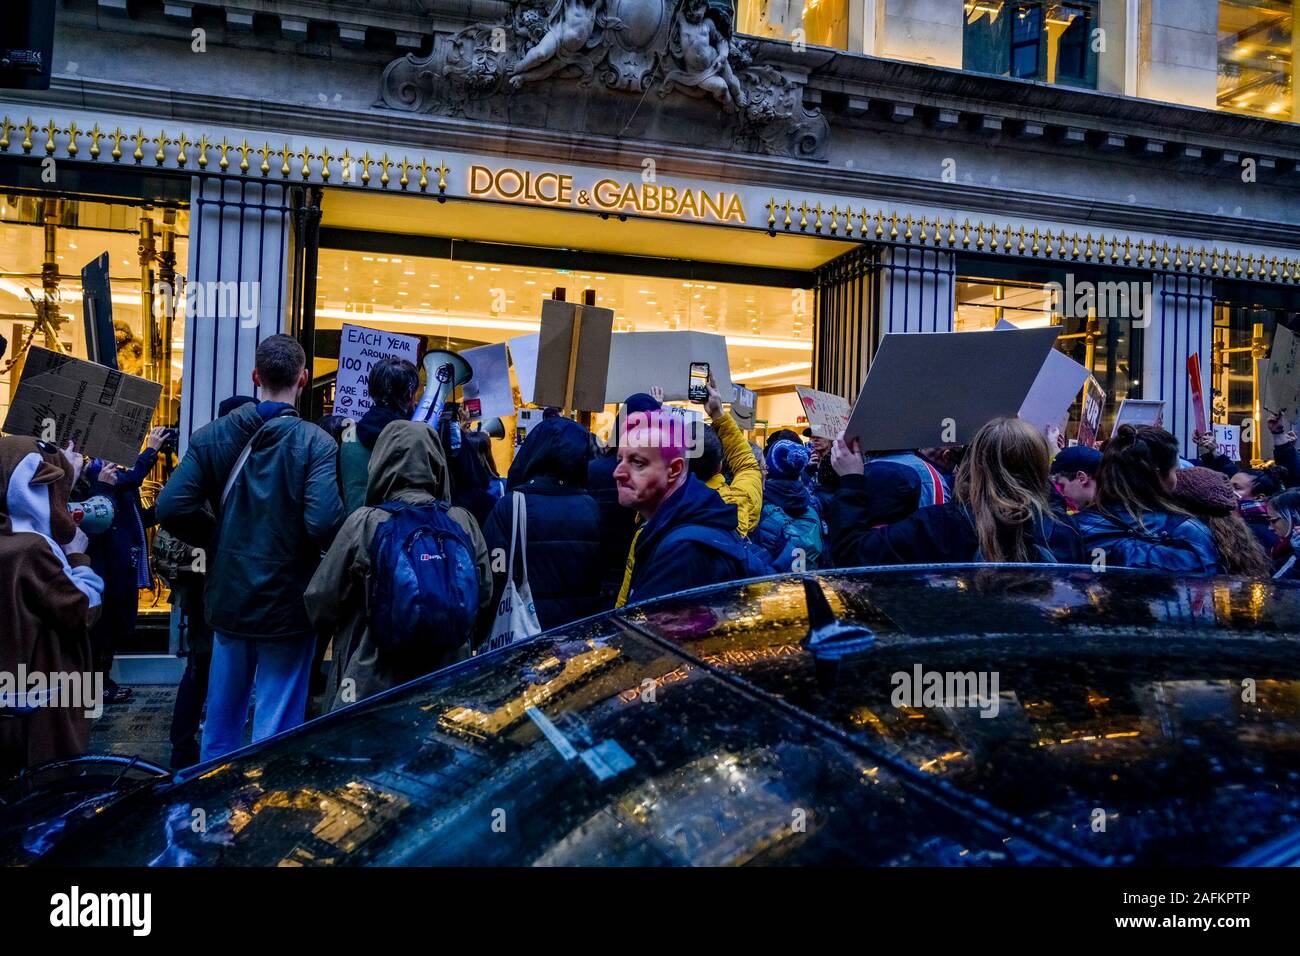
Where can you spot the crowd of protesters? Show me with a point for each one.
(304, 586)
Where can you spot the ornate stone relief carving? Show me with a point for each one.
(680, 51)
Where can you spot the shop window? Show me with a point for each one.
(458, 305)
(822, 22)
(45, 241)
(1256, 49)
(1111, 347)
(1243, 335)
(1052, 42)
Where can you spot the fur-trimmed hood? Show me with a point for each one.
(35, 481)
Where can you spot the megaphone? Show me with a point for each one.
(493, 428)
(94, 515)
(443, 372)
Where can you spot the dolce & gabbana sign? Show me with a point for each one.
(606, 194)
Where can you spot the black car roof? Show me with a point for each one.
(700, 729)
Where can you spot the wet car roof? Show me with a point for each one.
(701, 730)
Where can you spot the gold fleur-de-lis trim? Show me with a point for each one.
(95, 134)
(265, 151)
(182, 146)
(140, 140)
(325, 158)
(50, 131)
(5, 127)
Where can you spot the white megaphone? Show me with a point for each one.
(443, 372)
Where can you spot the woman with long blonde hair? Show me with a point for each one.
(1000, 512)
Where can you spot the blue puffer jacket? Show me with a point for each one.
(1163, 542)
(789, 517)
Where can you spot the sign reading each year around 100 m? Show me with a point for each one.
(359, 349)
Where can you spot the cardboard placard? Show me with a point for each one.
(743, 406)
(1047, 406)
(104, 412)
(526, 418)
(1140, 411)
(1279, 386)
(589, 368)
(1090, 411)
(1227, 441)
(523, 356)
(940, 388)
(488, 394)
(359, 349)
(639, 361)
(827, 414)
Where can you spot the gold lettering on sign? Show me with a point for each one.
(607, 194)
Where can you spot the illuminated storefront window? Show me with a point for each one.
(460, 305)
(1256, 49)
(45, 241)
(822, 22)
(1110, 347)
(1052, 42)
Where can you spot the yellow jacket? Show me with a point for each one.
(746, 488)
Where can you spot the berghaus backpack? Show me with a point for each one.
(422, 590)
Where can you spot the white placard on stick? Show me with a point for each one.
(640, 360)
(827, 414)
(1280, 384)
(1227, 441)
(359, 349)
(1140, 411)
(940, 388)
(1047, 406)
(488, 394)
(523, 355)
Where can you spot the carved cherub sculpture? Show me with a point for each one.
(573, 28)
(700, 57)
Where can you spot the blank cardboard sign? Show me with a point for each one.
(640, 360)
(595, 326)
(940, 388)
(104, 411)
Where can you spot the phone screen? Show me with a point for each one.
(698, 390)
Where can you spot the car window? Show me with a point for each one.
(589, 746)
(1151, 723)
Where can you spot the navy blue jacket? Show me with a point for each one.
(1164, 542)
(564, 537)
(617, 524)
(935, 534)
(665, 561)
(282, 514)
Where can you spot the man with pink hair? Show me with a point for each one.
(687, 536)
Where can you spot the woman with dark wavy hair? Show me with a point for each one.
(1208, 495)
(1137, 522)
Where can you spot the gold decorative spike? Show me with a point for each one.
(1114, 249)
(907, 236)
(28, 128)
(50, 131)
(1047, 243)
(1142, 252)
(365, 168)
(1128, 252)
(993, 239)
(1061, 240)
(5, 127)
(117, 144)
(1214, 261)
(1164, 255)
(1074, 245)
(835, 219)
(1020, 246)
(285, 153)
(383, 164)
(1087, 248)
(95, 134)
(788, 210)
(140, 140)
(306, 158)
(952, 232)
(345, 166)
(1034, 247)
(1250, 266)
(771, 213)
(979, 234)
(424, 168)
(965, 234)
(893, 225)
(1272, 273)
(1178, 256)
(865, 219)
(265, 150)
(325, 158)
(182, 145)
(921, 238)
(244, 150)
(72, 132)
(848, 221)
(163, 142)
(203, 146)
(880, 223)
(817, 223)
(225, 148)
(1236, 263)
(803, 216)
(1006, 239)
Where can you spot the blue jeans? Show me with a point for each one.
(280, 671)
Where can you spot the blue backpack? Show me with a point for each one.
(422, 592)
(749, 560)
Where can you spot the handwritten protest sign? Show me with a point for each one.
(359, 349)
(1094, 403)
(827, 414)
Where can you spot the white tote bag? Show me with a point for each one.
(516, 617)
